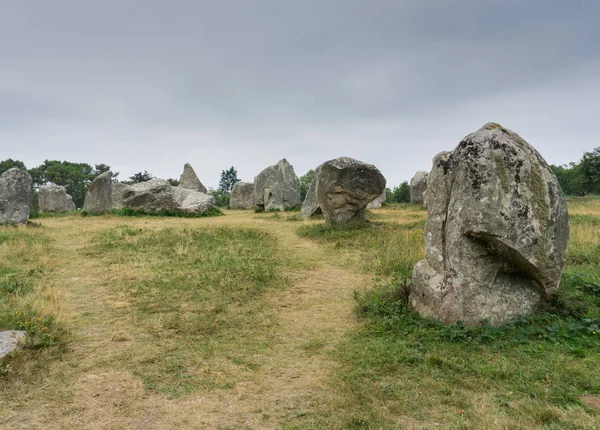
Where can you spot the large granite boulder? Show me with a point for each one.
(277, 187)
(98, 198)
(16, 195)
(310, 206)
(53, 198)
(345, 187)
(242, 196)
(158, 195)
(378, 202)
(497, 232)
(118, 188)
(189, 180)
(418, 186)
(70, 203)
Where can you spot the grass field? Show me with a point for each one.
(270, 321)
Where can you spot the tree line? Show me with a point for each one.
(576, 179)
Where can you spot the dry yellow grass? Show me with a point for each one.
(283, 372)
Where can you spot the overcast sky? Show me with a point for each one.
(153, 84)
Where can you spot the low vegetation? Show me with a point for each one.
(185, 308)
(531, 373)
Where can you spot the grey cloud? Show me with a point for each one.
(243, 83)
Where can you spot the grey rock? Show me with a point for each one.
(497, 231)
(9, 341)
(345, 187)
(16, 196)
(277, 187)
(158, 195)
(70, 203)
(189, 180)
(310, 206)
(53, 198)
(118, 188)
(242, 196)
(378, 202)
(418, 186)
(98, 198)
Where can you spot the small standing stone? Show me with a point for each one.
(242, 196)
(53, 198)
(98, 198)
(16, 194)
(418, 186)
(190, 181)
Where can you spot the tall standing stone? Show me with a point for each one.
(242, 196)
(98, 198)
(345, 187)
(497, 232)
(190, 181)
(53, 198)
(418, 186)
(277, 187)
(16, 194)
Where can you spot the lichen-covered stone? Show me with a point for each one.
(497, 232)
(277, 187)
(158, 195)
(118, 188)
(190, 181)
(98, 198)
(53, 198)
(242, 196)
(418, 186)
(16, 194)
(345, 187)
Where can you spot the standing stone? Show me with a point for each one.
(242, 196)
(98, 198)
(378, 202)
(158, 195)
(118, 188)
(189, 180)
(277, 187)
(16, 196)
(418, 186)
(345, 187)
(53, 198)
(70, 203)
(310, 206)
(497, 232)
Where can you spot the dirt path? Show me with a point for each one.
(294, 379)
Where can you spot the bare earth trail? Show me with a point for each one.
(294, 379)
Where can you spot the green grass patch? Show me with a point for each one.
(199, 295)
(22, 270)
(214, 211)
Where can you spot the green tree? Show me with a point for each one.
(590, 170)
(173, 182)
(102, 168)
(305, 181)
(221, 198)
(9, 163)
(228, 178)
(571, 179)
(401, 194)
(140, 177)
